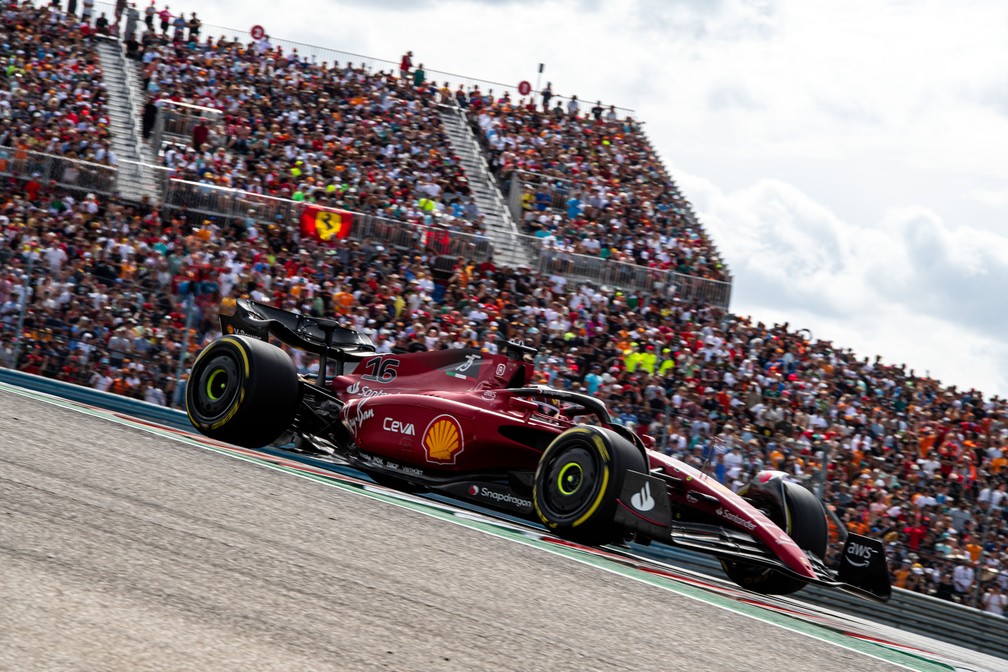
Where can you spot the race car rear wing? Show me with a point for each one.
(326, 338)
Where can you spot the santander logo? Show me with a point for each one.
(738, 520)
(643, 501)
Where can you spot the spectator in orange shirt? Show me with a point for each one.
(972, 548)
(901, 574)
(999, 463)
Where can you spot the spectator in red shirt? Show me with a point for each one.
(200, 134)
(32, 188)
(405, 65)
(915, 533)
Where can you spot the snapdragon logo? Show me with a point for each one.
(738, 520)
(499, 497)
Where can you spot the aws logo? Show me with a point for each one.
(859, 555)
(443, 440)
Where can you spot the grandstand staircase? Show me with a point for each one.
(136, 176)
(509, 249)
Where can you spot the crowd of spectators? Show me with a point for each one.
(52, 99)
(334, 135)
(114, 295)
(591, 183)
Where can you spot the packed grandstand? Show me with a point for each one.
(116, 294)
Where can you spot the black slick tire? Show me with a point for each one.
(242, 391)
(578, 480)
(804, 520)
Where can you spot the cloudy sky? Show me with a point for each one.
(850, 159)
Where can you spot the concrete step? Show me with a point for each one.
(123, 115)
(500, 231)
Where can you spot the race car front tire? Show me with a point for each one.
(805, 522)
(578, 480)
(242, 391)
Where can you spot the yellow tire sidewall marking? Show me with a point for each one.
(241, 394)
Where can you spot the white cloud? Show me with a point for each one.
(847, 157)
(914, 289)
(991, 197)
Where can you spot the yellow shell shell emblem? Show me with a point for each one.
(443, 440)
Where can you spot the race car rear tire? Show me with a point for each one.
(243, 391)
(805, 522)
(578, 479)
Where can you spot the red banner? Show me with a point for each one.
(324, 224)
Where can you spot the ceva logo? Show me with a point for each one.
(397, 427)
(859, 555)
(643, 501)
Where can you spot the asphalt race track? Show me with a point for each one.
(125, 550)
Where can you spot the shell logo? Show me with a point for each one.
(443, 440)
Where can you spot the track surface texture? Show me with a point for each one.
(120, 550)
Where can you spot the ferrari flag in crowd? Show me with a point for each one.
(325, 224)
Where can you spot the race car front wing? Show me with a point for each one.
(863, 569)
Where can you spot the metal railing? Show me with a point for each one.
(130, 87)
(73, 174)
(228, 204)
(137, 168)
(176, 121)
(550, 260)
(558, 189)
(480, 156)
(316, 55)
(156, 177)
(231, 205)
(510, 229)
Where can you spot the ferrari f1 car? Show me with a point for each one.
(472, 425)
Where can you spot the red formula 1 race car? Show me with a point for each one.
(470, 425)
